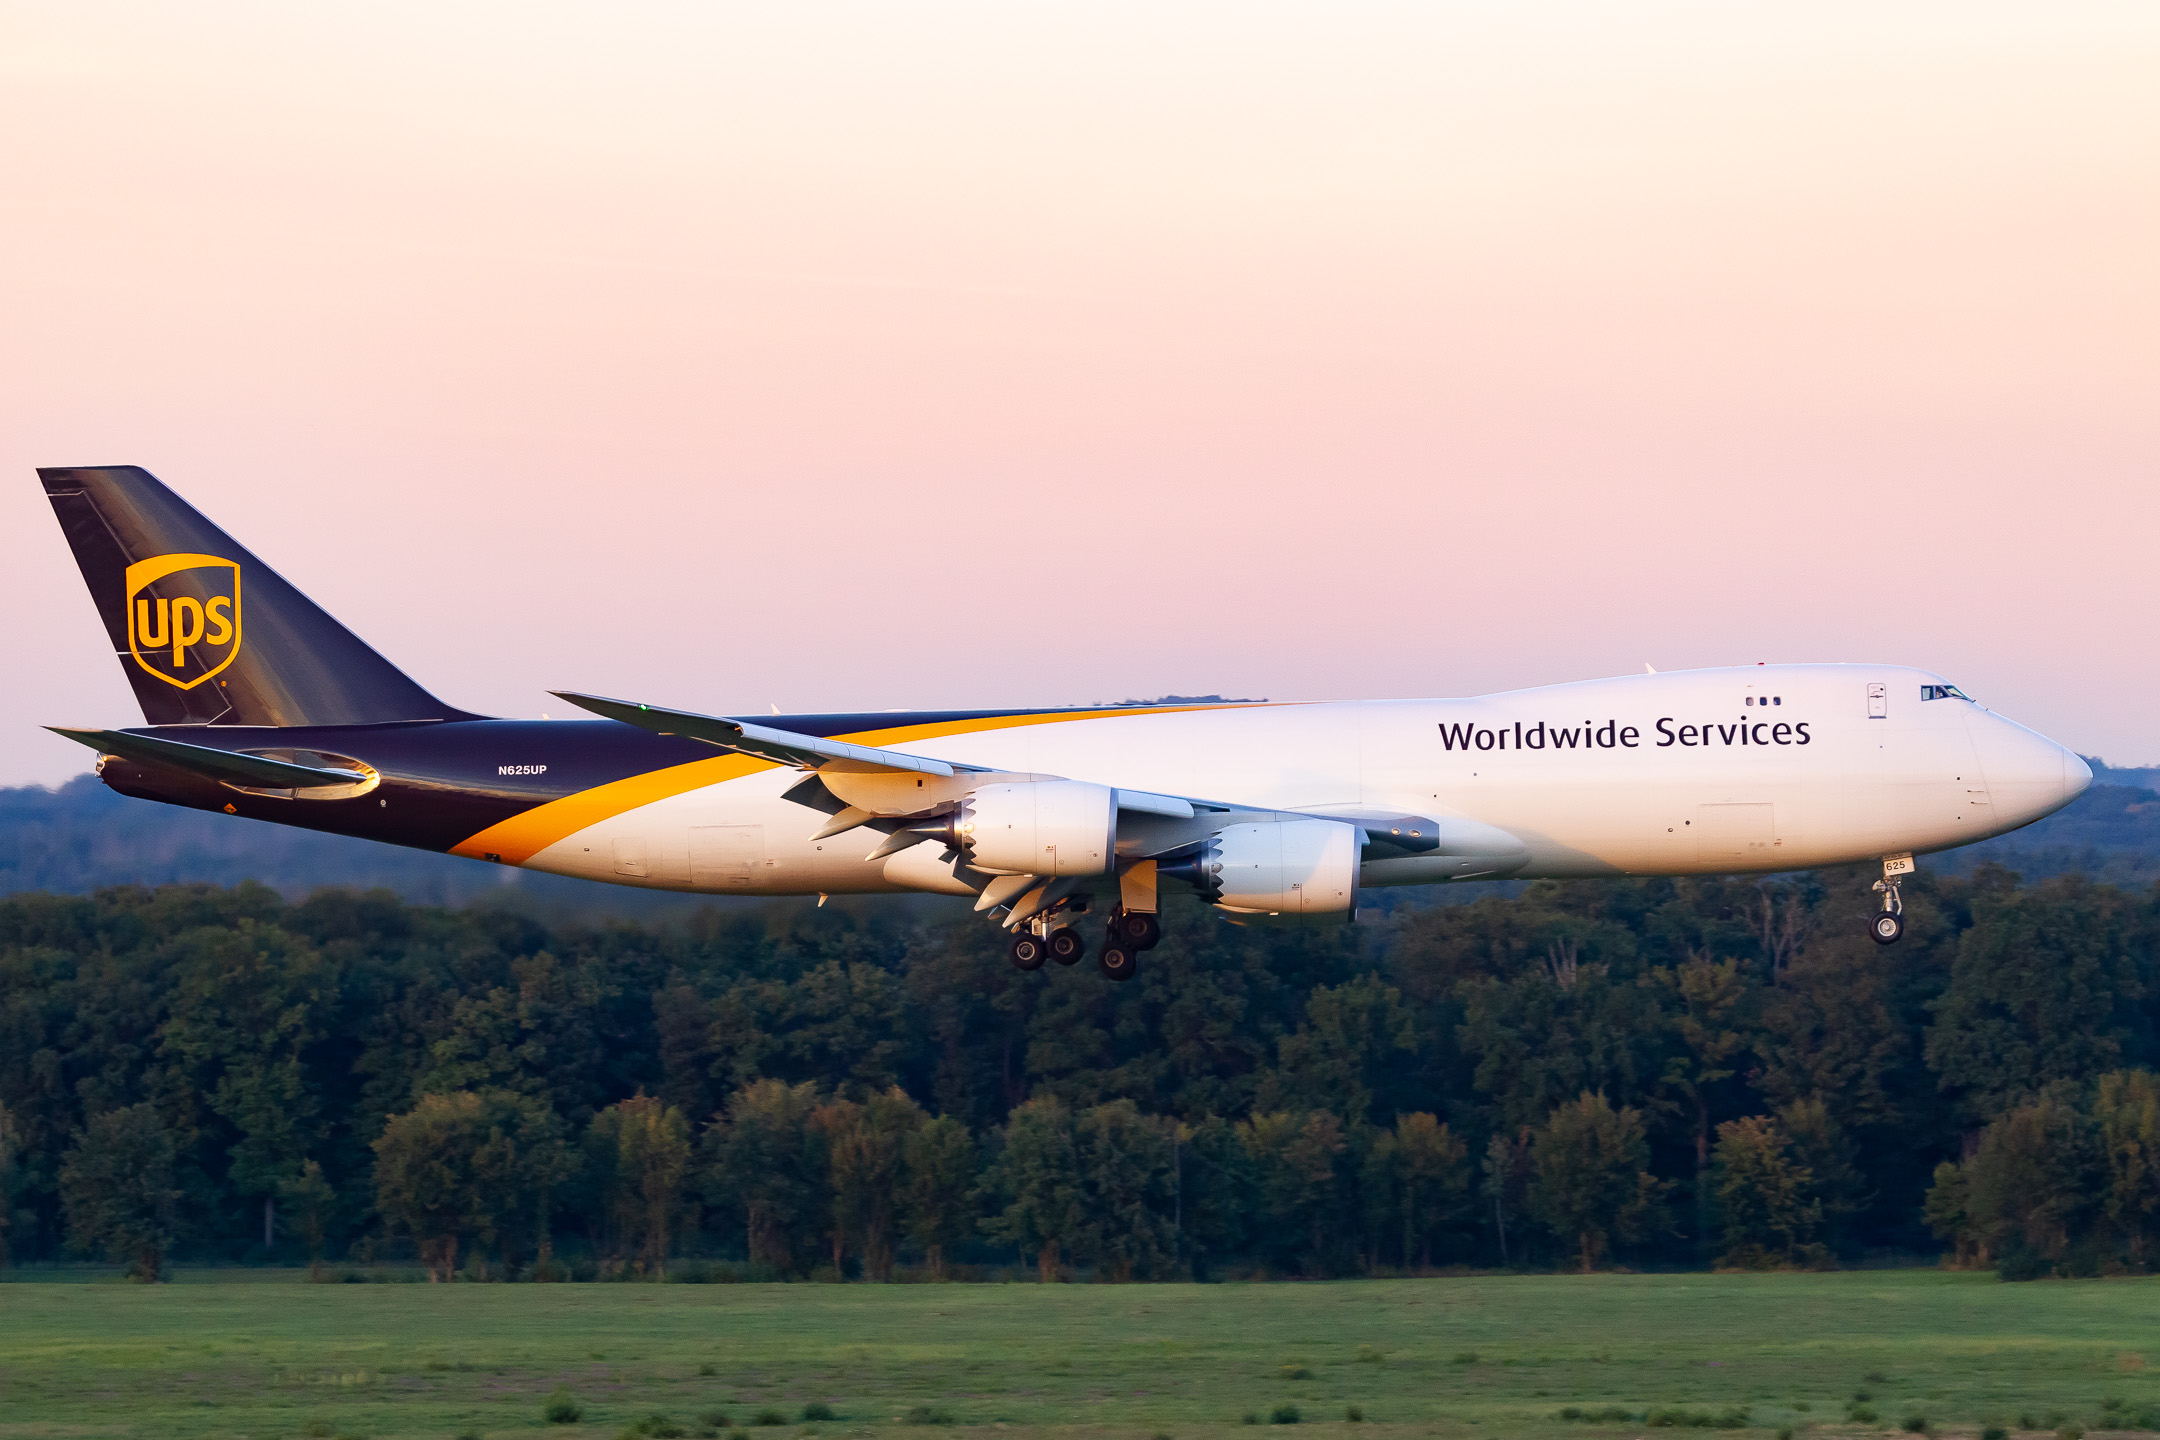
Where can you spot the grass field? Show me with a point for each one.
(258, 1354)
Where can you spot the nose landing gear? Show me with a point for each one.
(1888, 926)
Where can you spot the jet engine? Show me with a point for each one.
(1275, 867)
(1038, 827)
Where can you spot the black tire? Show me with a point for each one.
(1066, 946)
(1027, 952)
(1139, 929)
(1887, 927)
(1117, 961)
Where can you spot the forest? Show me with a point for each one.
(1646, 1074)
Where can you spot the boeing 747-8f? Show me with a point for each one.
(259, 704)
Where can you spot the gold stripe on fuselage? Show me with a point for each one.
(519, 838)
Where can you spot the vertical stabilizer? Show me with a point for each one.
(206, 633)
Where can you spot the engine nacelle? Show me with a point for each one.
(1039, 827)
(1276, 867)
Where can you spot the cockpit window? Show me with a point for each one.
(1944, 692)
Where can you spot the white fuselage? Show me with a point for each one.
(1763, 768)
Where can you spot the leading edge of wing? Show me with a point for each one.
(811, 752)
(786, 747)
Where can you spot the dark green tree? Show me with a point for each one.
(1216, 1192)
(1417, 1183)
(767, 1165)
(432, 1180)
(1297, 1160)
(1820, 1143)
(1707, 1003)
(938, 1201)
(1128, 1191)
(1353, 1043)
(10, 1143)
(2031, 1190)
(640, 1150)
(868, 1158)
(246, 1013)
(1506, 1187)
(2126, 1109)
(311, 1205)
(1592, 1183)
(1036, 1177)
(2044, 989)
(1765, 1197)
(118, 1187)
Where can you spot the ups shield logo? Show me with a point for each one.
(183, 616)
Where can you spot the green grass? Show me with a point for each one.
(275, 1357)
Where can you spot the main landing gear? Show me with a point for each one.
(1888, 926)
(1066, 946)
(1129, 933)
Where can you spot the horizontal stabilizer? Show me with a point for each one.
(785, 747)
(226, 766)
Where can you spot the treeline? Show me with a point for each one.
(1637, 1072)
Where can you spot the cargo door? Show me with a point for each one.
(1741, 836)
(725, 855)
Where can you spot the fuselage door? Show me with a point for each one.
(725, 855)
(1878, 701)
(1743, 836)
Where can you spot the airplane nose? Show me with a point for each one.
(2028, 775)
(2077, 775)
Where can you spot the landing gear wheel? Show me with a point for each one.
(1027, 952)
(1066, 946)
(1889, 922)
(1138, 929)
(1117, 960)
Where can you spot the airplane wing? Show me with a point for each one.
(786, 747)
(814, 752)
(1405, 833)
(842, 781)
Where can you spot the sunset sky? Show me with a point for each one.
(853, 357)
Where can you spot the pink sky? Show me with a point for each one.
(856, 357)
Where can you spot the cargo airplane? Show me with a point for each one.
(259, 704)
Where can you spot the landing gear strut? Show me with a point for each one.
(1888, 926)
